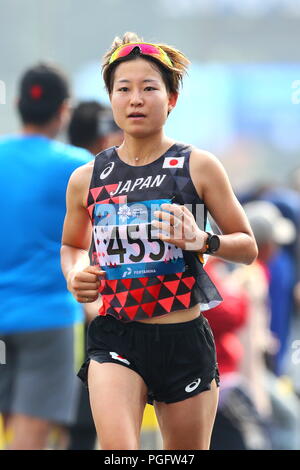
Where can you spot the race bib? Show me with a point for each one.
(126, 244)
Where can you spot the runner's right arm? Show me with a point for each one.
(82, 279)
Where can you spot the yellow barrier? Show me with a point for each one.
(1, 434)
(78, 345)
(5, 438)
(149, 420)
(149, 424)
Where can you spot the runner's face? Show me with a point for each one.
(139, 98)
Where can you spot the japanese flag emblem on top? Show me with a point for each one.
(173, 162)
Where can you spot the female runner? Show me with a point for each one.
(144, 204)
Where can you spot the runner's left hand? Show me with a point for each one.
(180, 227)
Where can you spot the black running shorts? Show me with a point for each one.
(176, 361)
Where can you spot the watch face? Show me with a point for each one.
(214, 243)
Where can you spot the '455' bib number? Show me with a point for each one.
(126, 244)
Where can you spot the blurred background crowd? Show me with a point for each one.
(240, 101)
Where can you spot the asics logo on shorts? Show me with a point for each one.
(191, 387)
(117, 356)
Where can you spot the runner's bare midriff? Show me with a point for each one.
(178, 316)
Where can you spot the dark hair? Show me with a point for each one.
(90, 121)
(42, 90)
(172, 76)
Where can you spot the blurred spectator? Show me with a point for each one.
(92, 127)
(292, 367)
(38, 385)
(245, 402)
(271, 231)
(284, 268)
(238, 424)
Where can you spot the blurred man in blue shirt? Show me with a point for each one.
(38, 314)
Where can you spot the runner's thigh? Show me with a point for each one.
(118, 397)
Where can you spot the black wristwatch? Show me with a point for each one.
(212, 244)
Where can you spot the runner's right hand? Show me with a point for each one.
(84, 285)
